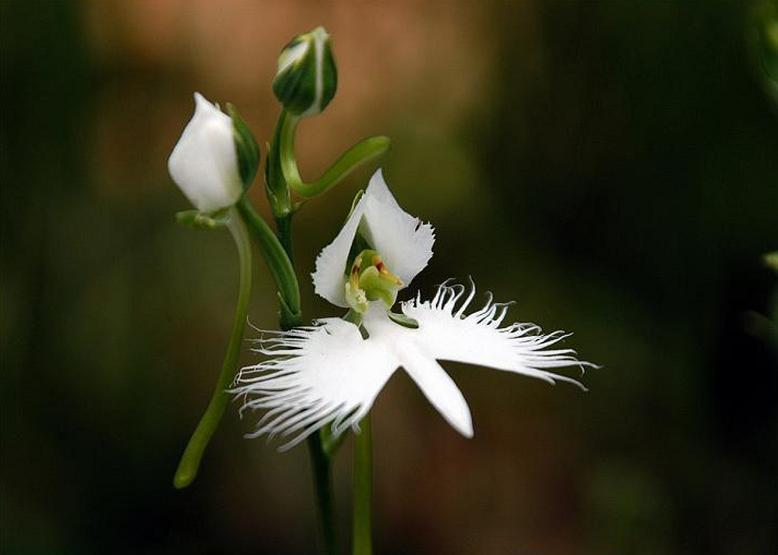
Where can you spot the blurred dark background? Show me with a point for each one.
(612, 166)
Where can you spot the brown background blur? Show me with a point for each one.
(612, 166)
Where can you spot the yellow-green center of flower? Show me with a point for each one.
(370, 280)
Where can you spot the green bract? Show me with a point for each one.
(246, 147)
(307, 77)
(196, 219)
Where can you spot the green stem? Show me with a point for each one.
(275, 186)
(322, 480)
(359, 154)
(320, 460)
(284, 226)
(362, 542)
(190, 460)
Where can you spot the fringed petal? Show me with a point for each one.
(446, 332)
(314, 376)
(330, 374)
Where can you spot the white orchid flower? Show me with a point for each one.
(330, 373)
(204, 162)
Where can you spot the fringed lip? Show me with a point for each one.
(328, 374)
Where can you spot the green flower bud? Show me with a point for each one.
(307, 77)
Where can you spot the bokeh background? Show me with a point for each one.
(612, 166)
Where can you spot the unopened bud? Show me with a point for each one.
(307, 77)
(204, 162)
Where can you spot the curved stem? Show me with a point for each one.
(190, 460)
(362, 542)
(359, 154)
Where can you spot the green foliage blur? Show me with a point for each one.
(612, 166)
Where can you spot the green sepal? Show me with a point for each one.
(246, 147)
(403, 320)
(198, 220)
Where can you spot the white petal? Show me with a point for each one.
(330, 374)
(403, 241)
(330, 275)
(447, 333)
(438, 387)
(315, 376)
(204, 162)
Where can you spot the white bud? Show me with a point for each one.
(204, 162)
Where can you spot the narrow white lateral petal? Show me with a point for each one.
(403, 241)
(315, 376)
(447, 333)
(329, 277)
(437, 386)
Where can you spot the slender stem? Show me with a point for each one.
(275, 185)
(362, 542)
(284, 225)
(359, 154)
(320, 460)
(322, 479)
(190, 460)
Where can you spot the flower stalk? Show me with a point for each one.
(361, 153)
(362, 539)
(321, 467)
(282, 176)
(320, 458)
(190, 460)
(283, 173)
